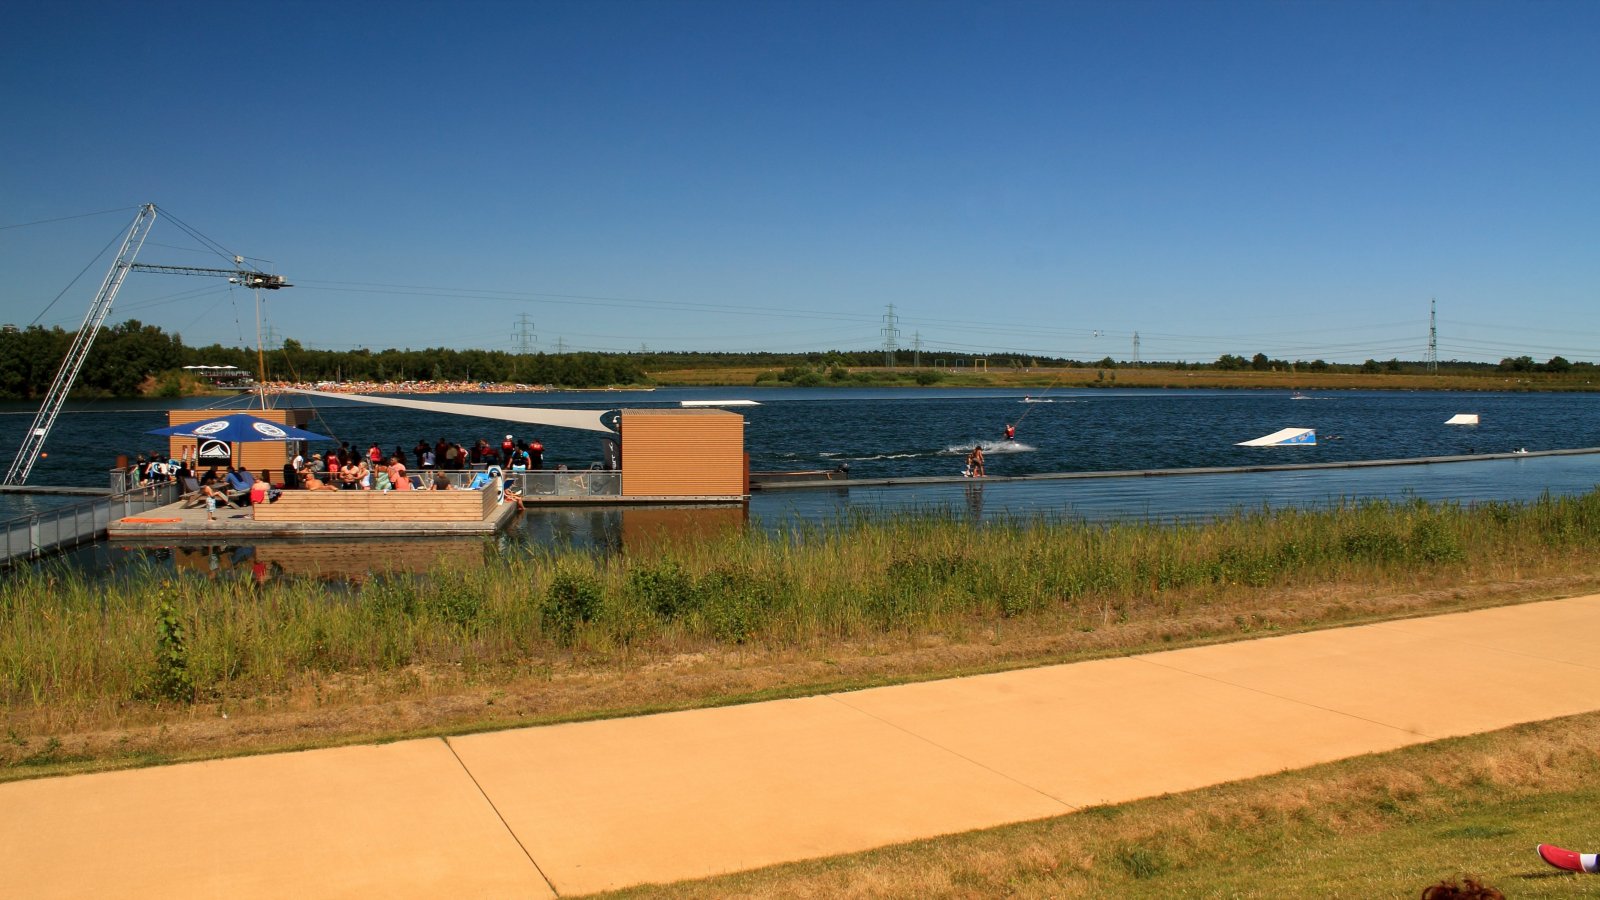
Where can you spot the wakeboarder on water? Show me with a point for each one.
(1011, 432)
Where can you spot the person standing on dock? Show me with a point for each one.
(535, 455)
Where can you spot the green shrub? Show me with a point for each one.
(665, 589)
(171, 679)
(572, 599)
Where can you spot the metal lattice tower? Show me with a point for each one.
(916, 350)
(1433, 338)
(79, 351)
(891, 335)
(525, 339)
(1136, 348)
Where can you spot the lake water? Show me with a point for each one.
(890, 433)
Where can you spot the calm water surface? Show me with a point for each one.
(883, 433)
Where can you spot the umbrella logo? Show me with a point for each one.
(209, 428)
(269, 430)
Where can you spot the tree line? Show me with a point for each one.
(133, 358)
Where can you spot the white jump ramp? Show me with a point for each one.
(1462, 419)
(1286, 437)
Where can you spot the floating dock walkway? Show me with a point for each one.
(836, 483)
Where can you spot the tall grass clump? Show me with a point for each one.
(73, 646)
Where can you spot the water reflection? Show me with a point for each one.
(613, 530)
(602, 530)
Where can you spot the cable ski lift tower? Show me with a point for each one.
(61, 387)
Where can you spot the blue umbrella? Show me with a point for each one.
(239, 428)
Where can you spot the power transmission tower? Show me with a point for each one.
(524, 337)
(916, 350)
(891, 335)
(561, 346)
(1433, 338)
(1136, 348)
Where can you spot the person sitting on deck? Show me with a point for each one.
(313, 483)
(262, 491)
(510, 494)
(441, 482)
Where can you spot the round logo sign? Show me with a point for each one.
(209, 428)
(270, 430)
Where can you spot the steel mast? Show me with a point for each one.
(33, 443)
(79, 351)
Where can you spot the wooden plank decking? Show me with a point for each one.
(346, 514)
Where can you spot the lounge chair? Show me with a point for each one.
(191, 496)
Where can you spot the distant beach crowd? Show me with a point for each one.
(405, 387)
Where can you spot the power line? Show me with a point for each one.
(67, 218)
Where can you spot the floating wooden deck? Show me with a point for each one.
(343, 514)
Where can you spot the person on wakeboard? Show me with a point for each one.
(1011, 432)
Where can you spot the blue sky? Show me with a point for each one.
(1295, 178)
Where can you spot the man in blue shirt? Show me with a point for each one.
(240, 480)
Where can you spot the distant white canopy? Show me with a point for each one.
(585, 419)
(1462, 419)
(1287, 437)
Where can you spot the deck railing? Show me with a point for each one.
(536, 483)
(65, 527)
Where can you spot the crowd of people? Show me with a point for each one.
(346, 468)
(343, 468)
(405, 387)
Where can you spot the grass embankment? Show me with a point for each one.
(1146, 377)
(1385, 825)
(97, 674)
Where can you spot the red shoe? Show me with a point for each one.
(1566, 860)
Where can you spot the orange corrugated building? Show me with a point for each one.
(687, 453)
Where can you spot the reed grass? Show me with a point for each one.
(74, 650)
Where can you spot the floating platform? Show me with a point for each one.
(1285, 437)
(290, 519)
(1160, 473)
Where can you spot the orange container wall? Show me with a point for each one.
(258, 457)
(682, 453)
